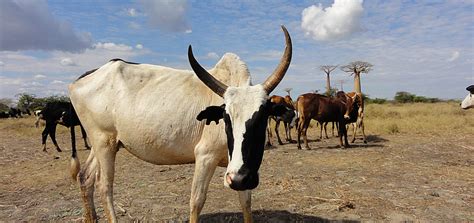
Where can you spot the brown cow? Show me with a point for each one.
(360, 115)
(342, 110)
(288, 118)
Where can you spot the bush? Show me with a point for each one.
(376, 100)
(393, 129)
(405, 97)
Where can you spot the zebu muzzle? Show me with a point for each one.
(242, 180)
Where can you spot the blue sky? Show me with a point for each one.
(423, 47)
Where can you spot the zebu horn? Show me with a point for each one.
(278, 74)
(211, 82)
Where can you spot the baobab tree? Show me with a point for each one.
(288, 90)
(356, 68)
(328, 69)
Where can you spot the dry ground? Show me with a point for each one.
(417, 166)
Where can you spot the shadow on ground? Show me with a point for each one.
(376, 139)
(267, 216)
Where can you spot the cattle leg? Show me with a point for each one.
(106, 150)
(87, 177)
(84, 137)
(205, 166)
(269, 133)
(52, 135)
(343, 134)
(37, 121)
(288, 133)
(299, 128)
(304, 129)
(245, 198)
(277, 125)
(354, 126)
(325, 130)
(44, 135)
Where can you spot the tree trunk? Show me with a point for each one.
(328, 85)
(357, 87)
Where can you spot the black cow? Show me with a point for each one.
(14, 113)
(64, 114)
(4, 115)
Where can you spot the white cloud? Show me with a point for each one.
(132, 12)
(57, 82)
(32, 84)
(167, 15)
(1, 63)
(335, 22)
(39, 76)
(31, 26)
(113, 47)
(454, 56)
(139, 46)
(212, 55)
(67, 62)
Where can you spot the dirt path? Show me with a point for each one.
(392, 178)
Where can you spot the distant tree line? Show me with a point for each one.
(402, 97)
(29, 101)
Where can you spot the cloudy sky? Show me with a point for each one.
(423, 47)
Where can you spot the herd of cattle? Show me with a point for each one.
(151, 112)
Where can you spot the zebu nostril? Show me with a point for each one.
(229, 177)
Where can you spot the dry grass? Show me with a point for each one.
(436, 119)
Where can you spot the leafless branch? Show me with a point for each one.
(357, 67)
(328, 68)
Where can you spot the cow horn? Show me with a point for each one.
(211, 82)
(278, 74)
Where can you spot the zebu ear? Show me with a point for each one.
(212, 113)
(276, 109)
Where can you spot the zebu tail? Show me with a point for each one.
(75, 164)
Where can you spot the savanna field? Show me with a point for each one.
(417, 166)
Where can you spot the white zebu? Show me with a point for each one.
(468, 102)
(151, 112)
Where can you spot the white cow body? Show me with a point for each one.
(151, 111)
(468, 102)
(153, 108)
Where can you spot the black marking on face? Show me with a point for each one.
(254, 139)
(229, 133)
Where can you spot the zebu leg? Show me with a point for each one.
(52, 135)
(84, 137)
(205, 166)
(105, 149)
(354, 125)
(288, 132)
(305, 130)
(269, 132)
(87, 177)
(245, 198)
(277, 126)
(325, 129)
